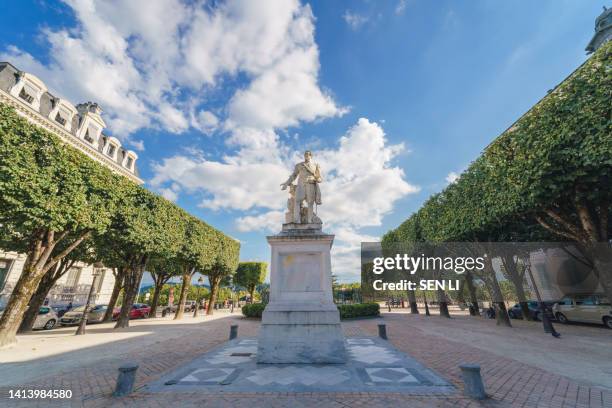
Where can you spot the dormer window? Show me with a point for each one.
(129, 160)
(28, 89)
(88, 136)
(62, 113)
(111, 147)
(26, 96)
(60, 120)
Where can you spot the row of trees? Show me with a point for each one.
(59, 207)
(247, 275)
(547, 178)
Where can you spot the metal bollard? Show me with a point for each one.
(233, 331)
(126, 379)
(382, 331)
(472, 381)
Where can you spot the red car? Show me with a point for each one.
(139, 311)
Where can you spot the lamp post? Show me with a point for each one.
(199, 297)
(548, 326)
(96, 272)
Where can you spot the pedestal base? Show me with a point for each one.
(301, 324)
(301, 336)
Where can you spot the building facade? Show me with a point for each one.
(81, 127)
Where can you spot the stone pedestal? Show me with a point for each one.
(301, 323)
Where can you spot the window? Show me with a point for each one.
(43, 310)
(88, 137)
(73, 277)
(99, 280)
(59, 119)
(589, 301)
(26, 96)
(129, 162)
(111, 150)
(5, 268)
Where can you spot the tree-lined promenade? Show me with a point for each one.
(58, 207)
(547, 178)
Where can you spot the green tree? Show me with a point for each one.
(145, 226)
(53, 198)
(251, 274)
(225, 264)
(161, 271)
(83, 253)
(197, 253)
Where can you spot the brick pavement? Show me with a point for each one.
(509, 382)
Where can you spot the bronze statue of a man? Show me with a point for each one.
(308, 176)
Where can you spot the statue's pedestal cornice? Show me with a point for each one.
(309, 228)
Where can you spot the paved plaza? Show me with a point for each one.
(374, 365)
(165, 350)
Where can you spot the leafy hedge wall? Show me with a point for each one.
(548, 177)
(54, 198)
(253, 310)
(359, 310)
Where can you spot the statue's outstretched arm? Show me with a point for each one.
(291, 177)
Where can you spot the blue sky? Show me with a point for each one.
(220, 98)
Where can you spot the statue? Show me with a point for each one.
(308, 176)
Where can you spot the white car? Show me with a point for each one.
(46, 319)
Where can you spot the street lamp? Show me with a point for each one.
(548, 326)
(199, 297)
(97, 271)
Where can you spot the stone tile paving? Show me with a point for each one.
(509, 382)
(373, 366)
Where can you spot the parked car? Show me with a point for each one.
(139, 311)
(515, 311)
(190, 305)
(585, 309)
(46, 319)
(73, 316)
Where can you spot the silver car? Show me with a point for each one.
(46, 319)
(73, 317)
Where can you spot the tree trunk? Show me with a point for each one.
(36, 302)
(180, 310)
(38, 262)
(133, 274)
(33, 271)
(517, 280)
(469, 280)
(501, 313)
(119, 276)
(156, 292)
(443, 303)
(413, 302)
(252, 293)
(214, 288)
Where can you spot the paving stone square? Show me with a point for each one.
(373, 365)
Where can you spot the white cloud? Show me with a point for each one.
(452, 177)
(360, 187)
(149, 64)
(354, 20)
(137, 145)
(153, 65)
(169, 194)
(400, 7)
(206, 121)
